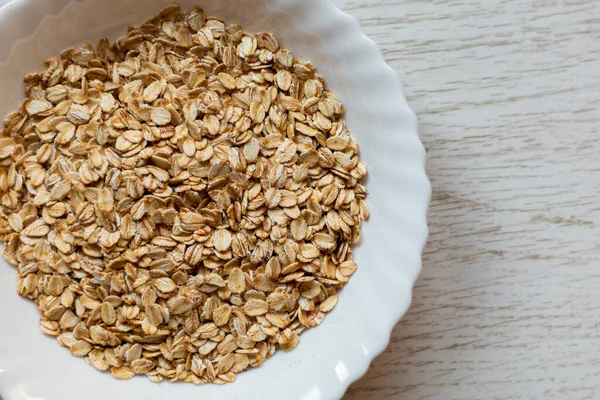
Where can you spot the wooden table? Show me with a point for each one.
(508, 303)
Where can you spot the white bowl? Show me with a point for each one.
(339, 351)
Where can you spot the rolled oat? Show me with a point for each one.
(180, 203)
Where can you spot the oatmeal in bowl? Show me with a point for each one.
(183, 198)
(180, 203)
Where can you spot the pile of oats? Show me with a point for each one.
(180, 203)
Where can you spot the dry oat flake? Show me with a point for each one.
(180, 203)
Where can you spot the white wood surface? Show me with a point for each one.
(508, 95)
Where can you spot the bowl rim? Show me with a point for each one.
(352, 27)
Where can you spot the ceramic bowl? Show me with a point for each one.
(339, 351)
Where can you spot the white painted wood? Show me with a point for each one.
(508, 95)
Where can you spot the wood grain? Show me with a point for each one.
(507, 93)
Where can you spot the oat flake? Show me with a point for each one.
(180, 203)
